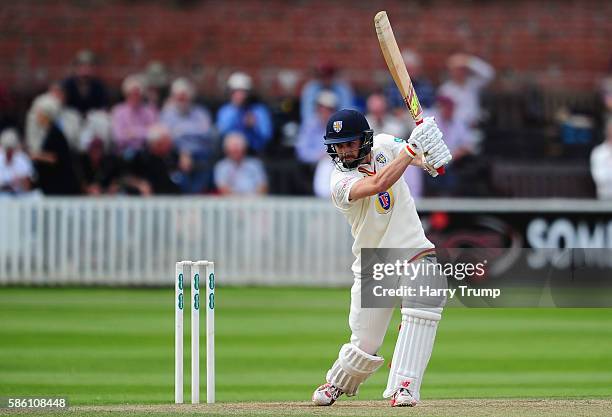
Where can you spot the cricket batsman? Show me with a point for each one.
(368, 188)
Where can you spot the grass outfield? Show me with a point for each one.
(116, 346)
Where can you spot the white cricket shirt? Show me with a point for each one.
(386, 220)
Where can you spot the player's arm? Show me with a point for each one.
(424, 138)
(387, 176)
(383, 179)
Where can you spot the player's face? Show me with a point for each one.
(348, 151)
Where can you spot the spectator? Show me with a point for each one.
(153, 169)
(601, 165)
(245, 114)
(84, 91)
(309, 147)
(156, 80)
(237, 173)
(456, 133)
(15, 165)
(68, 120)
(325, 79)
(100, 168)
(466, 175)
(132, 119)
(54, 163)
(286, 112)
(381, 121)
(422, 86)
(468, 76)
(192, 131)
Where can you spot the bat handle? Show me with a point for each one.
(440, 170)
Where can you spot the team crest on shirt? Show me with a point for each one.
(384, 202)
(337, 126)
(381, 159)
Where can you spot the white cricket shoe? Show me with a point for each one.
(403, 397)
(326, 394)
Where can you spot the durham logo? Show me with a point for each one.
(337, 126)
(384, 202)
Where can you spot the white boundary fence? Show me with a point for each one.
(136, 241)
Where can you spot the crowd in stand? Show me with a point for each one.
(160, 140)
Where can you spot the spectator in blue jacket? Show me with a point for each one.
(244, 113)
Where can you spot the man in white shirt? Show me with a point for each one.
(468, 76)
(601, 165)
(15, 165)
(367, 187)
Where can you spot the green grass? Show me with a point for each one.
(105, 346)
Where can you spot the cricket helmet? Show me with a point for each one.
(346, 126)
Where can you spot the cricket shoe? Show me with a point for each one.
(403, 397)
(326, 394)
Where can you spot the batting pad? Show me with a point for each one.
(352, 367)
(413, 350)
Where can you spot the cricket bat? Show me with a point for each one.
(397, 68)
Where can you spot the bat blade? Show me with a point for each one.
(397, 68)
(396, 65)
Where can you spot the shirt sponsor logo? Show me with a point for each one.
(384, 202)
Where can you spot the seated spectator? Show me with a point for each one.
(325, 78)
(100, 168)
(54, 163)
(456, 134)
(422, 86)
(237, 173)
(84, 91)
(468, 76)
(132, 119)
(601, 165)
(244, 113)
(464, 176)
(15, 166)
(381, 121)
(309, 147)
(192, 131)
(68, 120)
(153, 169)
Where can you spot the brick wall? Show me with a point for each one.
(551, 42)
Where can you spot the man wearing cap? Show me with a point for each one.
(367, 187)
(468, 76)
(243, 113)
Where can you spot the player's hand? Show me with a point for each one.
(416, 141)
(435, 152)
